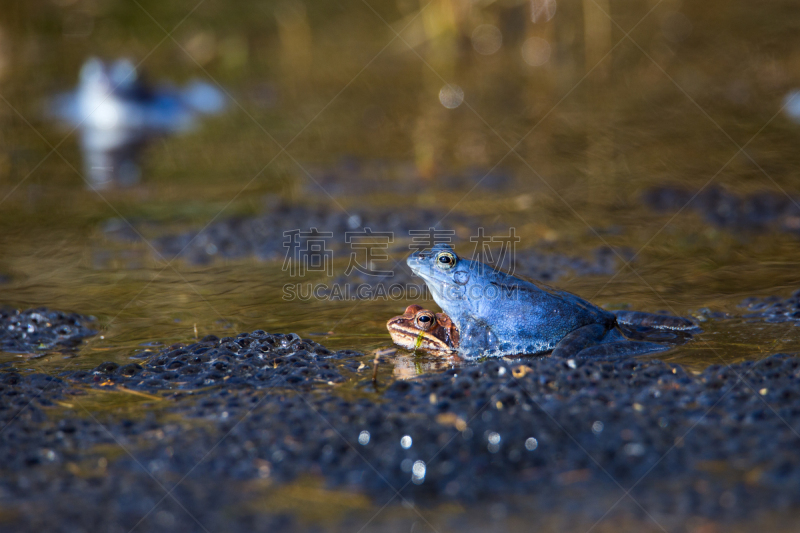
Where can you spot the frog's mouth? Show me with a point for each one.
(418, 261)
(440, 285)
(402, 336)
(424, 271)
(442, 291)
(420, 338)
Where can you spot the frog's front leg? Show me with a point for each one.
(476, 339)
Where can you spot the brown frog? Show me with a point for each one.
(422, 329)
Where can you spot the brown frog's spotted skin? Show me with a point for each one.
(421, 329)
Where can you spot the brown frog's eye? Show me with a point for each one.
(425, 321)
(446, 260)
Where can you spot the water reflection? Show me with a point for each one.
(408, 365)
(117, 113)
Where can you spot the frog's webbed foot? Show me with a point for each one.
(476, 340)
(621, 349)
(650, 320)
(596, 342)
(578, 340)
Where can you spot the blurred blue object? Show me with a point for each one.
(792, 103)
(116, 113)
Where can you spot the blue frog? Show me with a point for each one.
(116, 113)
(498, 314)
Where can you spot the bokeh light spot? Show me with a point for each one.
(536, 51)
(451, 96)
(487, 39)
(542, 10)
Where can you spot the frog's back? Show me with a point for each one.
(534, 315)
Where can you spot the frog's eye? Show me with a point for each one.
(446, 260)
(425, 321)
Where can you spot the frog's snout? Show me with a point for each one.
(417, 259)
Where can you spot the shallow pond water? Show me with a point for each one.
(556, 119)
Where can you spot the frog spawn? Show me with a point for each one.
(256, 359)
(774, 309)
(509, 424)
(40, 330)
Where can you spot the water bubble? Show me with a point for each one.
(536, 51)
(363, 438)
(634, 448)
(494, 438)
(354, 221)
(406, 442)
(597, 427)
(531, 444)
(418, 472)
(451, 96)
(542, 10)
(487, 39)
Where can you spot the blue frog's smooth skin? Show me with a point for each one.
(500, 314)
